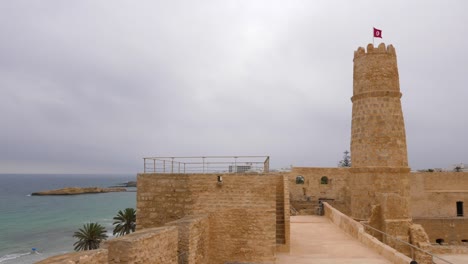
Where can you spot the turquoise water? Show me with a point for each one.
(47, 223)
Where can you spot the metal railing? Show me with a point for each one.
(207, 164)
(413, 247)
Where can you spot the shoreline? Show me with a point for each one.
(48, 222)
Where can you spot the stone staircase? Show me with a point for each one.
(280, 229)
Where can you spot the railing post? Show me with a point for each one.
(154, 165)
(172, 165)
(235, 165)
(144, 165)
(266, 165)
(164, 166)
(203, 164)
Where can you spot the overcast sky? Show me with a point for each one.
(95, 86)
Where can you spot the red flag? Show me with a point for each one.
(377, 33)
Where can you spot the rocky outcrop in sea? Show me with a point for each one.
(79, 190)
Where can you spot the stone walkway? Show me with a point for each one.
(453, 258)
(314, 239)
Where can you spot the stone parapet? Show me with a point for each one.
(356, 230)
(193, 239)
(371, 50)
(379, 170)
(98, 256)
(152, 245)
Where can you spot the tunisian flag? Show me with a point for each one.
(377, 33)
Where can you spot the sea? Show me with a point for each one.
(47, 223)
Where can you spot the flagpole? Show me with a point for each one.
(373, 37)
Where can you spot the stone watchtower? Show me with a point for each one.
(379, 180)
(378, 131)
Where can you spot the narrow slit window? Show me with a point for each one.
(460, 208)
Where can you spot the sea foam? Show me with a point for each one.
(13, 256)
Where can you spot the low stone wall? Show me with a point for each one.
(152, 245)
(98, 256)
(453, 230)
(193, 239)
(287, 213)
(356, 230)
(448, 249)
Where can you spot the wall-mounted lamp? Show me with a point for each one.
(220, 179)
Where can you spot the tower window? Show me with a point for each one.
(300, 179)
(460, 208)
(324, 180)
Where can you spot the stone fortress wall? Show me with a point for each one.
(248, 217)
(325, 184)
(433, 199)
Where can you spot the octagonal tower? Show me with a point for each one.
(379, 180)
(378, 132)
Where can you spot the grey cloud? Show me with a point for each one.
(93, 86)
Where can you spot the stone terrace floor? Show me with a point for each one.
(314, 239)
(453, 258)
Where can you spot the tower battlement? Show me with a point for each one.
(381, 49)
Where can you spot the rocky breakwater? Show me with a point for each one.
(79, 190)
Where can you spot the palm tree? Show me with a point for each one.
(89, 237)
(125, 222)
